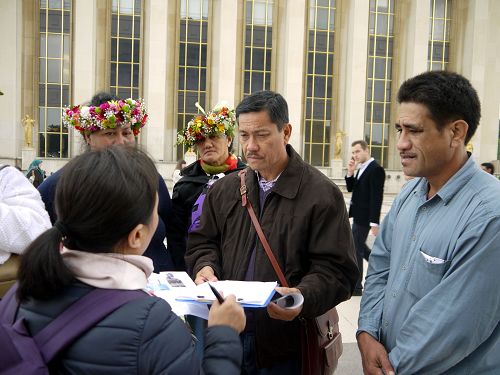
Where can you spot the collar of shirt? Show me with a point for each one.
(455, 183)
(363, 166)
(266, 185)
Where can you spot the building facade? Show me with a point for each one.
(338, 63)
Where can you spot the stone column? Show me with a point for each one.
(410, 57)
(155, 57)
(290, 67)
(225, 62)
(478, 59)
(84, 56)
(352, 52)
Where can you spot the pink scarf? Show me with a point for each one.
(109, 270)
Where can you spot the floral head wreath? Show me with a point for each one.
(219, 121)
(109, 115)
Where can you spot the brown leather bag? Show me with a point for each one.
(321, 340)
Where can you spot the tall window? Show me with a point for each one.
(125, 79)
(439, 35)
(319, 80)
(258, 45)
(192, 84)
(54, 76)
(379, 78)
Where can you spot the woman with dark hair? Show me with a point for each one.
(106, 203)
(107, 121)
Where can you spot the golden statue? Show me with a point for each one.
(338, 144)
(28, 124)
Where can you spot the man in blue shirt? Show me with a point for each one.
(431, 304)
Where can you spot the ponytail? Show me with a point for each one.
(42, 272)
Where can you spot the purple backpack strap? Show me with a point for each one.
(75, 320)
(81, 316)
(9, 306)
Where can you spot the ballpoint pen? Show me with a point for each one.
(217, 294)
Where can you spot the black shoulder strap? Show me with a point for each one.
(4, 166)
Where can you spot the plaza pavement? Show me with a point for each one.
(350, 361)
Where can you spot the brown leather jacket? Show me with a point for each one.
(305, 221)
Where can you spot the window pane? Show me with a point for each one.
(258, 59)
(66, 22)
(126, 6)
(55, 4)
(381, 24)
(41, 119)
(53, 96)
(125, 50)
(193, 54)
(41, 74)
(379, 89)
(112, 74)
(53, 145)
(54, 45)
(135, 77)
(53, 119)
(192, 77)
(137, 50)
(54, 71)
(322, 19)
(54, 24)
(125, 26)
(124, 74)
(43, 21)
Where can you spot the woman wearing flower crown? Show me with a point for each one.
(107, 121)
(211, 135)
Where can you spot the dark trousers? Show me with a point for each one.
(360, 234)
(249, 365)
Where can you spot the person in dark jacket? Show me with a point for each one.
(304, 217)
(97, 242)
(98, 131)
(367, 187)
(213, 141)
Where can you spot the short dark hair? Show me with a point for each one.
(360, 142)
(273, 103)
(100, 197)
(102, 97)
(489, 166)
(448, 96)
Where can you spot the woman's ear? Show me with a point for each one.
(86, 137)
(135, 240)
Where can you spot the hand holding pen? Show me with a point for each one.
(216, 293)
(229, 313)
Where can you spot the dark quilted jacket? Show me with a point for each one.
(143, 336)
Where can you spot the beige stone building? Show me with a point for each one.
(338, 63)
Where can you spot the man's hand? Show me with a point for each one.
(374, 230)
(351, 166)
(374, 356)
(204, 275)
(277, 312)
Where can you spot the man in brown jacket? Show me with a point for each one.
(303, 216)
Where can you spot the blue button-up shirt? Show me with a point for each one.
(432, 292)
